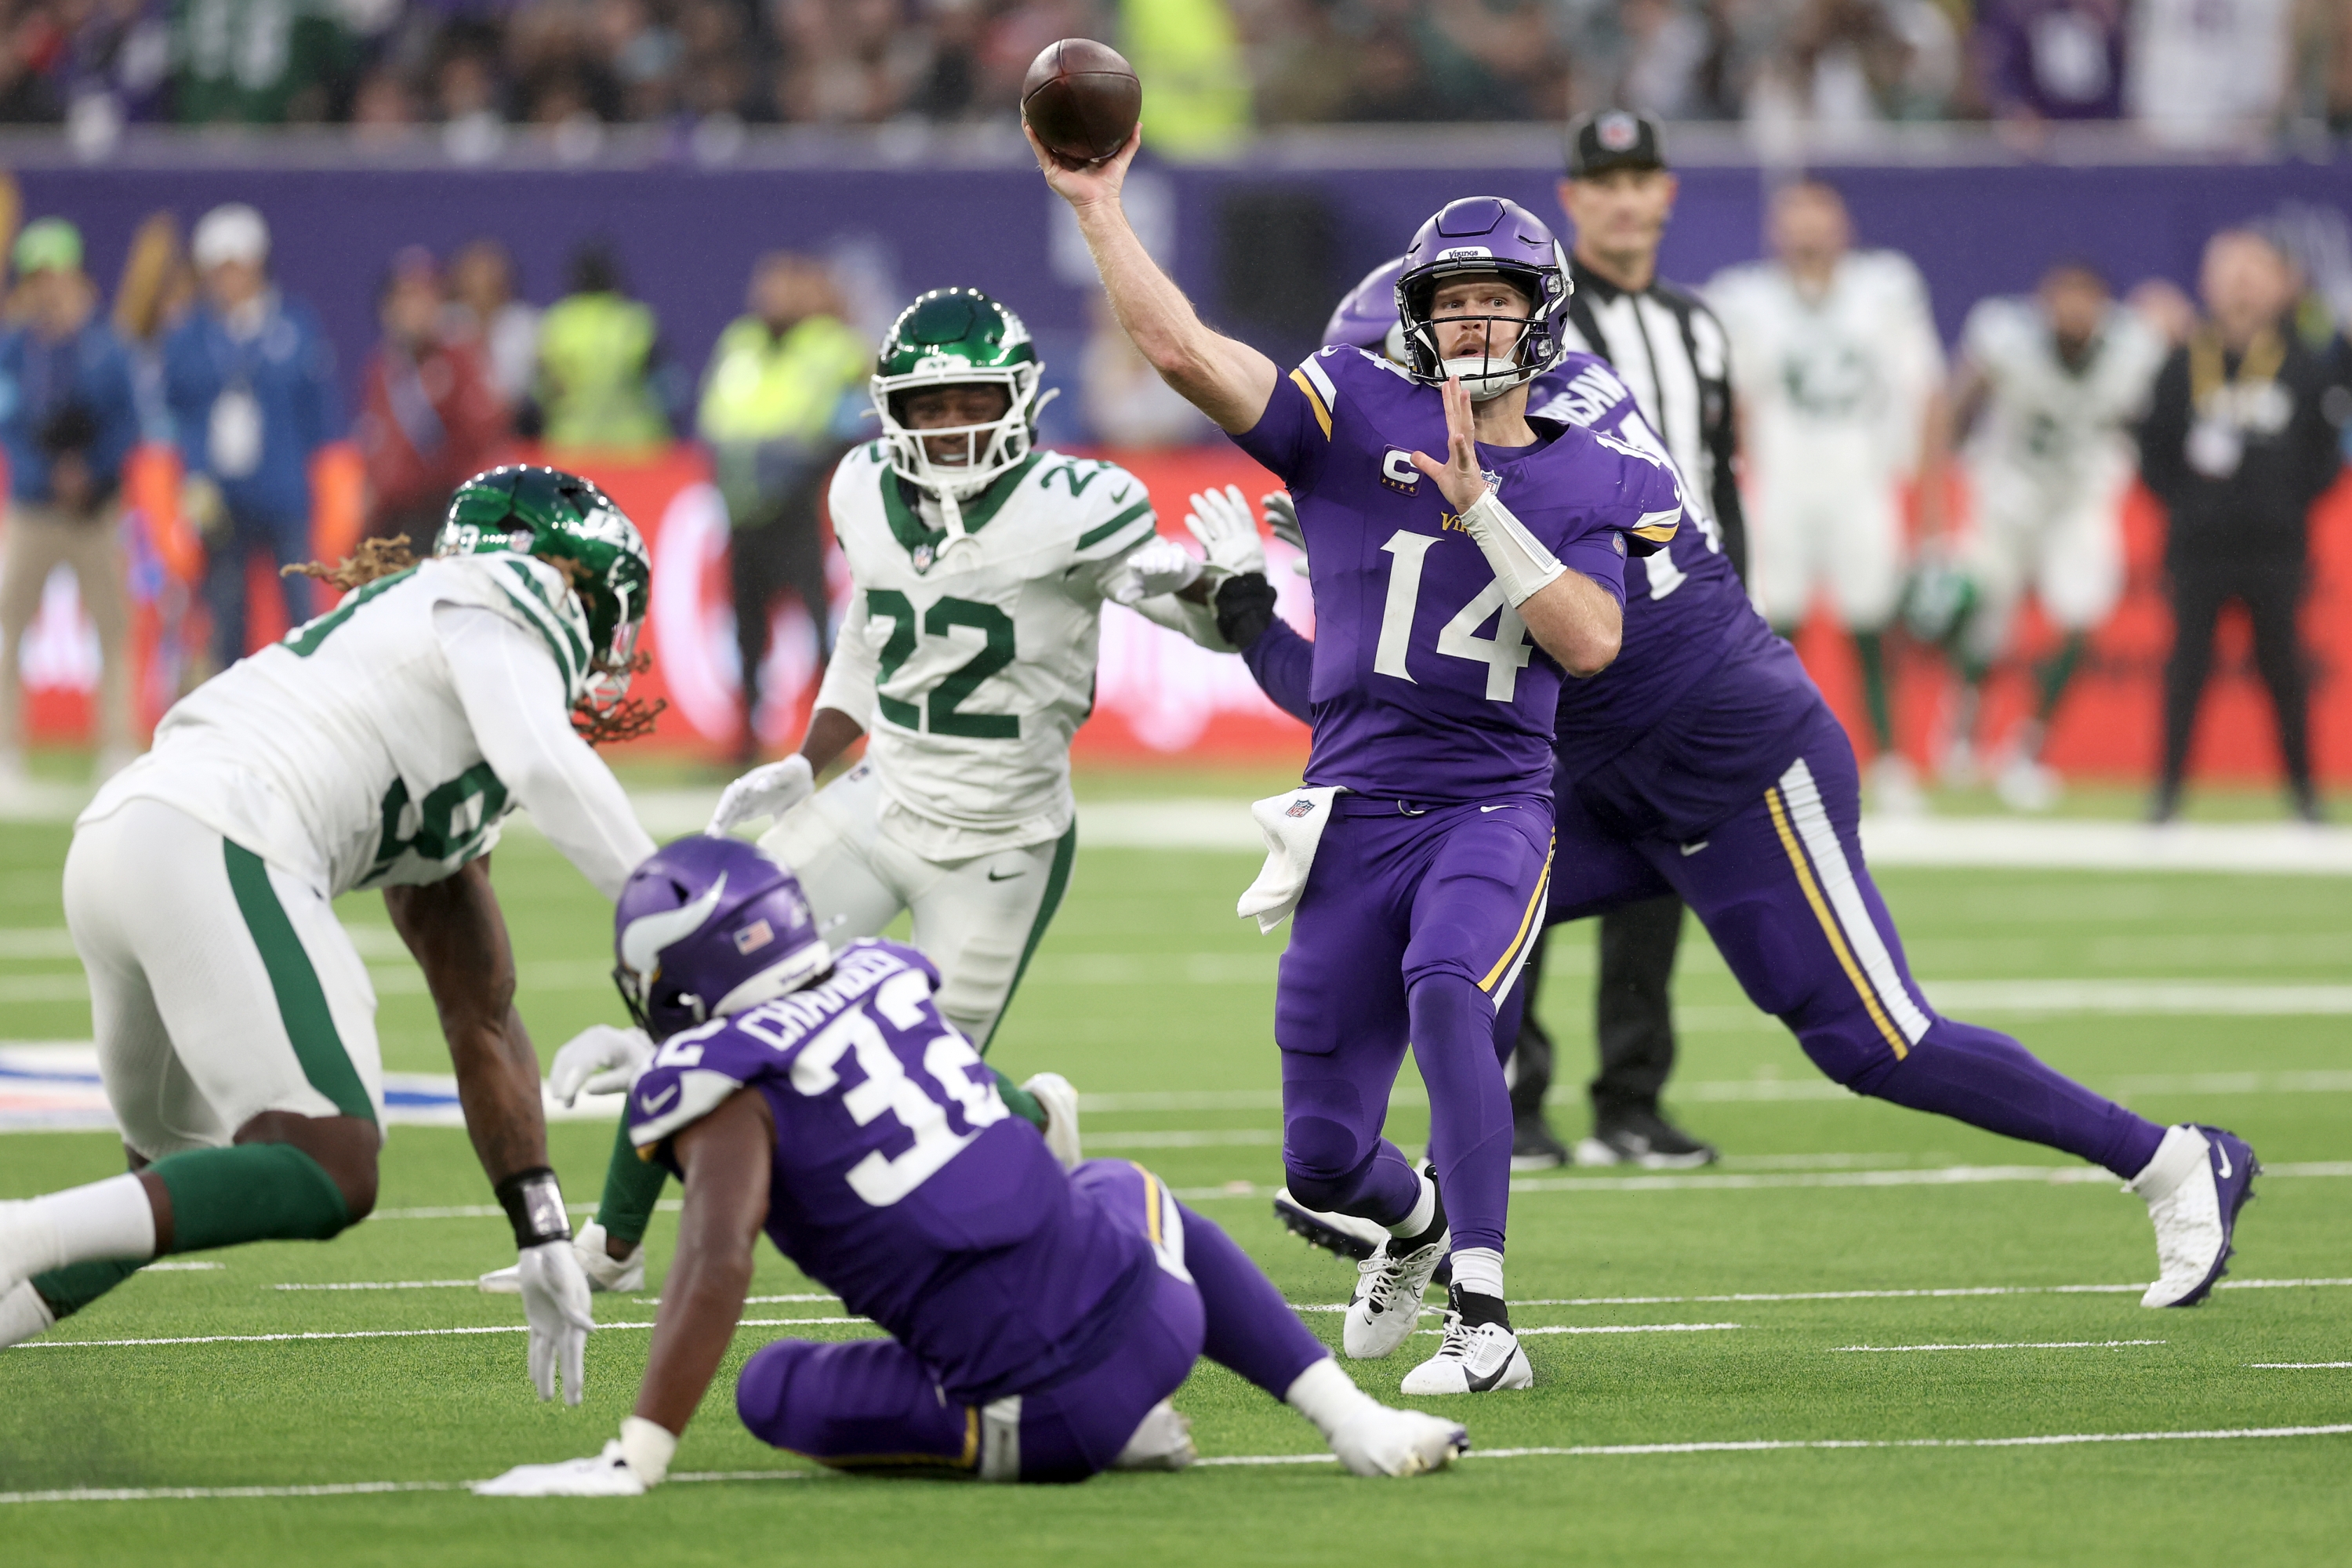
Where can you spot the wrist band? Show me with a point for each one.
(649, 1446)
(1522, 564)
(534, 1205)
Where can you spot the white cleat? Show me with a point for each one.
(23, 1315)
(1162, 1439)
(26, 1237)
(1894, 787)
(606, 1274)
(1387, 1303)
(2199, 1179)
(1472, 1359)
(1061, 1103)
(1383, 1441)
(2024, 784)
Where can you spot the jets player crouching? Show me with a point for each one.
(378, 746)
(980, 565)
(1038, 1321)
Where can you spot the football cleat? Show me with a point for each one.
(23, 1314)
(1381, 1441)
(1060, 1101)
(2027, 785)
(606, 1274)
(1644, 1138)
(1351, 1238)
(1894, 787)
(1387, 1303)
(2200, 1179)
(1473, 1358)
(1533, 1145)
(1163, 1441)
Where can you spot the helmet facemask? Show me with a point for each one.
(989, 451)
(1531, 345)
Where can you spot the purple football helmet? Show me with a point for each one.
(1367, 319)
(1490, 235)
(709, 926)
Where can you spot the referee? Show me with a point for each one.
(1668, 349)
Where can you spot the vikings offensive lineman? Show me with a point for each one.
(1038, 1321)
(1454, 597)
(380, 745)
(2051, 384)
(1704, 762)
(981, 564)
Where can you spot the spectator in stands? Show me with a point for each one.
(2201, 73)
(2238, 445)
(2050, 59)
(482, 285)
(68, 424)
(429, 414)
(261, 64)
(778, 404)
(249, 378)
(603, 383)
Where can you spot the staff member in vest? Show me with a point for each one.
(67, 419)
(605, 385)
(2238, 445)
(249, 378)
(772, 411)
(1668, 349)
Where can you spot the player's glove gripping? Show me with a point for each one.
(770, 789)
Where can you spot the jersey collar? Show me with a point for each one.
(899, 506)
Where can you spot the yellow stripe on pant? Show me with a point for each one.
(1829, 927)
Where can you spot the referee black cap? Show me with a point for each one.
(1613, 138)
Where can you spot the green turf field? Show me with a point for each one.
(1787, 1291)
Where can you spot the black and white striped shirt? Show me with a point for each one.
(1670, 351)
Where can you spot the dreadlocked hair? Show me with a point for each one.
(630, 719)
(375, 558)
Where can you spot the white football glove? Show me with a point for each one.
(1157, 566)
(1282, 519)
(555, 1303)
(599, 1059)
(1222, 521)
(631, 1465)
(1054, 1092)
(770, 789)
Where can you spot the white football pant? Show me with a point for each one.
(1818, 524)
(2064, 545)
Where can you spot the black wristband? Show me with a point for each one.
(534, 1205)
(1244, 605)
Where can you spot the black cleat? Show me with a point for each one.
(1644, 1138)
(1533, 1146)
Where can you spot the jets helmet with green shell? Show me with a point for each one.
(958, 337)
(526, 510)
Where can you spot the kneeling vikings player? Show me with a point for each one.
(1037, 1320)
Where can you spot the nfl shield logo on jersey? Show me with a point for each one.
(923, 556)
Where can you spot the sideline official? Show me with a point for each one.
(1668, 349)
(2238, 445)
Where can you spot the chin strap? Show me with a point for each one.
(951, 519)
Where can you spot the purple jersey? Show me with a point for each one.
(1686, 612)
(900, 1181)
(1426, 685)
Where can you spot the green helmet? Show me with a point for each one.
(956, 337)
(523, 509)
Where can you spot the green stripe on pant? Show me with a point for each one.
(301, 1000)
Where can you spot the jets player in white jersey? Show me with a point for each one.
(2051, 383)
(980, 565)
(380, 745)
(1837, 368)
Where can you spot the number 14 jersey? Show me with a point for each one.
(1427, 685)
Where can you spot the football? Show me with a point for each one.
(1081, 99)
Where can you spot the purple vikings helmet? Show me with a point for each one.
(1485, 235)
(1367, 319)
(709, 926)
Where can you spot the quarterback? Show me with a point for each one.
(1038, 1320)
(1456, 596)
(381, 745)
(979, 564)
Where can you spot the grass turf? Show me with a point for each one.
(1148, 987)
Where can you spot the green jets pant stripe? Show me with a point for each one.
(301, 1001)
(1057, 882)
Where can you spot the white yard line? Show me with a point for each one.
(1940, 1176)
(1756, 1296)
(2299, 1365)
(1614, 1329)
(389, 1334)
(2017, 1345)
(387, 1284)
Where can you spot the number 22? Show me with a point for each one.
(1505, 654)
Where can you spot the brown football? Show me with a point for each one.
(1081, 99)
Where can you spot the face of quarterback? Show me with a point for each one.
(1810, 231)
(956, 407)
(1459, 312)
(1620, 216)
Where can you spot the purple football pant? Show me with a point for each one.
(1410, 929)
(870, 1404)
(1782, 889)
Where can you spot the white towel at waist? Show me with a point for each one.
(1292, 824)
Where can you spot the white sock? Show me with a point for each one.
(2184, 1149)
(1326, 1396)
(23, 1314)
(1424, 1211)
(105, 1220)
(1479, 1270)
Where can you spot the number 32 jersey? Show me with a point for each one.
(1427, 685)
(971, 663)
(900, 1181)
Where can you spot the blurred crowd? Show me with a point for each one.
(468, 70)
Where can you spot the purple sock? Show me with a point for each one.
(1987, 1080)
(1469, 1108)
(1251, 1329)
